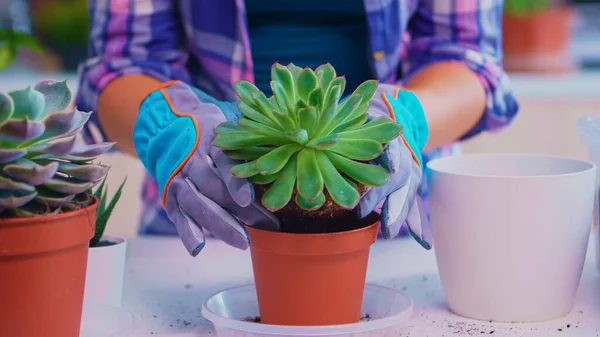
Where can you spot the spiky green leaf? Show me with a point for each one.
(325, 74)
(307, 119)
(28, 103)
(251, 153)
(245, 170)
(381, 132)
(57, 95)
(226, 127)
(31, 172)
(283, 75)
(264, 180)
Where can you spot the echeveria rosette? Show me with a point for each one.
(303, 139)
(44, 164)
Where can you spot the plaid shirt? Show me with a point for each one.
(205, 43)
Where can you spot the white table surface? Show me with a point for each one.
(164, 289)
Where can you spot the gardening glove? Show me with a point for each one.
(172, 136)
(403, 160)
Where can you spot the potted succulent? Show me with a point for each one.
(106, 258)
(536, 35)
(307, 154)
(11, 41)
(46, 216)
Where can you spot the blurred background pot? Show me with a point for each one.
(536, 36)
(105, 271)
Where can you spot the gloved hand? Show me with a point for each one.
(403, 160)
(172, 136)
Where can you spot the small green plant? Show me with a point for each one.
(10, 41)
(525, 7)
(104, 210)
(45, 168)
(304, 141)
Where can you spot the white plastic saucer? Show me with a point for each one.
(388, 309)
(103, 320)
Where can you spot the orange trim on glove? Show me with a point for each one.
(162, 88)
(393, 115)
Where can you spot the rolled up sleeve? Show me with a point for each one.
(468, 32)
(129, 37)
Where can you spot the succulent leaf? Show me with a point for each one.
(338, 188)
(253, 113)
(239, 140)
(325, 74)
(21, 130)
(357, 149)
(68, 185)
(227, 126)
(9, 155)
(305, 141)
(264, 180)
(28, 103)
(7, 106)
(366, 174)
(53, 198)
(306, 83)
(251, 153)
(43, 170)
(15, 199)
(11, 185)
(310, 205)
(275, 160)
(31, 172)
(87, 172)
(310, 181)
(57, 95)
(283, 75)
(280, 193)
(245, 170)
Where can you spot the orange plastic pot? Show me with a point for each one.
(42, 266)
(310, 279)
(538, 42)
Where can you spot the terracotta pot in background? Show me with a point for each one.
(310, 279)
(43, 264)
(538, 42)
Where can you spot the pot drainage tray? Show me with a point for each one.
(388, 311)
(103, 320)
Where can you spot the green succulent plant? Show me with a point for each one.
(105, 209)
(11, 41)
(45, 168)
(304, 141)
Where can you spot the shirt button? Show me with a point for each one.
(378, 55)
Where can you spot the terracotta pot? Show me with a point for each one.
(310, 279)
(43, 264)
(538, 42)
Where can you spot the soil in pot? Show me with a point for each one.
(330, 218)
(104, 243)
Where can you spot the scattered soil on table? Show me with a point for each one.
(256, 319)
(330, 218)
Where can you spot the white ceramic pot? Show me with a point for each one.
(105, 271)
(510, 233)
(589, 132)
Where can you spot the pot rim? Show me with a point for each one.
(317, 244)
(293, 330)
(47, 218)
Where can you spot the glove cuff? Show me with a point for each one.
(166, 133)
(404, 107)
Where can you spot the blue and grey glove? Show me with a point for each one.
(173, 138)
(403, 160)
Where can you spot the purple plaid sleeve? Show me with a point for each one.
(130, 37)
(468, 32)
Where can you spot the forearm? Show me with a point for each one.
(453, 99)
(118, 106)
